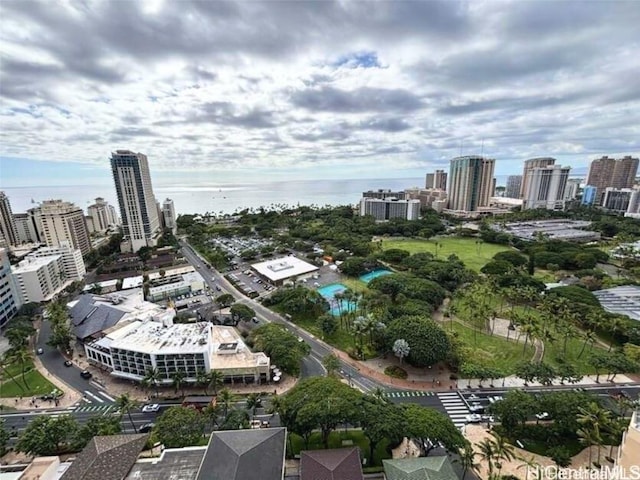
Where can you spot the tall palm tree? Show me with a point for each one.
(467, 459)
(528, 463)
(202, 380)
(152, 377)
(253, 402)
(178, 378)
(226, 398)
(487, 453)
(23, 357)
(589, 337)
(615, 325)
(503, 451)
(594, 419)
(588, 437)
(125, 404)
(216, 379)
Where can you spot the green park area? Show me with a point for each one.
(473, 252)
(14, 384)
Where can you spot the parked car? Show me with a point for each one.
(153, 407)
(476, 408)
(39, 351)
(543, 416)
(68, 363)
(473, 418)
(146, 428)
(86, 374)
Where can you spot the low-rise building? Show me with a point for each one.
(131, 349)
(567, 230)
(39, 279)
(617, 199)
(629, 450)
(624, 300)
(72, 262)
(167, 287)
(278, 270)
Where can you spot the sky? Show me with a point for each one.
(216, 91)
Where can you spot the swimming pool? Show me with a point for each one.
(367, 277)
(336, 307)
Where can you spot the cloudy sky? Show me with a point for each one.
(251, 90)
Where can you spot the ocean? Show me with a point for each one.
(222, 198)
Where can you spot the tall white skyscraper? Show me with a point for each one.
(471, 182)
(545, 187)
(514, 185)
(140, 222)
(8, 230)
(64, 223)
(529, 165)
(169, 215)
(9, 299)
(102, 214)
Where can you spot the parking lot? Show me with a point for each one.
(234, 246)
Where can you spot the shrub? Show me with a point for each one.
(395, 372)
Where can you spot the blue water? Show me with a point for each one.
(367, 277)
(329, 292)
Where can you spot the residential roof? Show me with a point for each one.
(106, 458)
(244, 455)
(89, 318)
(624, 300)
(284, 267)
(420, 468)
(334, 464)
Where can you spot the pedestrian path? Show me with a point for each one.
(94, 408)
(408, 393)
(455, 407)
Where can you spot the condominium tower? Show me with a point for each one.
(64, 223)
(529, 165)
(8, 231)
(9, 299)
(545, 187)
(436, 180)
(470, 182)
(103, 215)
(169, 215)
(608, 172)
(514, 185)
(140, 222)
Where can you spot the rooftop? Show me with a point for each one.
(172, 271)
(229, 351)
(624, 300)
(420, 468)
(173, 464)
(333, 464)
(156, 338)
(284, 267)
(32, 264)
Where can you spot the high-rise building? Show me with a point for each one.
(436, 180)
(8, 234)
(386, 209)
(9, 299)
(64, 223)
(589, 195)
(514, 185)
(169, 215)
(140, 222)
(25, 228)
(39, 279)
(617, 199)
(103, 215)
(608, 172)
(572, 190)
(633, 210)
(72, 263)
(384, 194)
(545, 187)
(470, 182)
(529, 165)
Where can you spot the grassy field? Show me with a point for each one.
(474, 255)
(38, 385)
(491, 351)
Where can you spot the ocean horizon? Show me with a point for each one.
(218, 197)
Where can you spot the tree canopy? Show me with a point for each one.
(284, 348)
(180, 427)
(428, 343)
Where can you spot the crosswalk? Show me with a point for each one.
(455, 407)
(89, 397)
(408, 393)
(94, 408)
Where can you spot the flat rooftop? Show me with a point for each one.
(624, 300)
(555, 229)
(284, 267)
(156, 338)
(229, 351)
(173, 464)
(132, 282)
(172, 271)
(32, 264)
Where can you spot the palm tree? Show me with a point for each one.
(23, 357)
(589, 337)
(528, 463)
(615, 325)
(487, 453)
(594, 419)
(152, 377)
(503, 451)
(253, 402)
(588, 437)
(216, 379)
(202, 380)
(467, 459)
(125, 404)
(178, 378)
(226, 398)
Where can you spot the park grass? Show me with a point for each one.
(491, 350)
(474, 255)
(38, 385)
(544, 276)
(336, 438)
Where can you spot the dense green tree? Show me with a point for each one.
(430, 427)
(394, 255)
(4, 438)
(283, 347)
(236, 419)
(428, 343)
(575, 294)
(241, 312)
(47, 435)
(514, 258)
(180, 427)
(380, 421)
(225, 300)
(100, 425)
(514, 410)
(354, 266)
(328, 324)
(18, 331)
(497, 267)
(331, 363)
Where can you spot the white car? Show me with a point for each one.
(473, 418)
(154, 407)
(542, 416)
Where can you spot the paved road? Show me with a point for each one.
(53, 361)
(312, 365)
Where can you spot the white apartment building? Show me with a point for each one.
(573, 187)
(629, 450)
(103, 215)
(617, 199)
(8, 234)
(72, 263)
(63, 222)
(633, 210)
(169, 215)
(9, 299)
(388, 208)
(130, 349)
(514, 185)
(140, 220)
(38, 279)
(545, 187)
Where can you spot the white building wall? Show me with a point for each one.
(39, 279)
(546, 187)
(72, 262)
(9, 298)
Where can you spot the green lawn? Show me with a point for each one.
(336, 439)
(474, 255)
(38, 385)
(491, 351)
